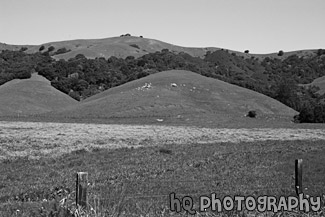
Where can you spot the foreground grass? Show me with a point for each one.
(37, 140)
(137, 181)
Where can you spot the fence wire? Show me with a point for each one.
(284, 190)
(313, 183)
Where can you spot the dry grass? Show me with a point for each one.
(135, 182)
(37, 139)
(39, 159)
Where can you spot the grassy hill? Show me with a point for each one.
(131, 46)
(31, 96)
(115, 46)
(177, 96)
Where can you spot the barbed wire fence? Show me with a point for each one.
(159, 190)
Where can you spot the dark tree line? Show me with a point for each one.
(19, 65)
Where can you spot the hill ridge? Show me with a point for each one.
(122, 47)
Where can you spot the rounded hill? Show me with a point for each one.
(127, 45)
(31, 96)
(178, 96)
(115, 46)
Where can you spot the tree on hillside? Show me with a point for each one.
(61, 51)
(320, 52)
(80, 56)
(41, 48)
(22, 49)
(286, 92)
(246, 51)
(280, 53)
(50, 49)
(312, 113)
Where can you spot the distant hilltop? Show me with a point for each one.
(127, 45)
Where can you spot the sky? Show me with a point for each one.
(260, 26)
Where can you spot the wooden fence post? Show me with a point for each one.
(81, 189)
(298, 176)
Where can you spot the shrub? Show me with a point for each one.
(251, 114)
(135, 46)
(165, 151)
(80, 56)
(280, 53)
(296, 119)
(23, 49)
(246, 51)
(51, 48)
(41, 48)
(61, 51)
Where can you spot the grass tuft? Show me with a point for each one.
(165, 151)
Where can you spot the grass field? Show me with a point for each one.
(133, 168)
(36, 139)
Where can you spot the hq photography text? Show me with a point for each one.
(262, 203)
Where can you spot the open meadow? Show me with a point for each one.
(133, 168)
(40, 139)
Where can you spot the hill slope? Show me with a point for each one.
(180, 96)
(31, 96)
(115, 46)
(131, 46)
